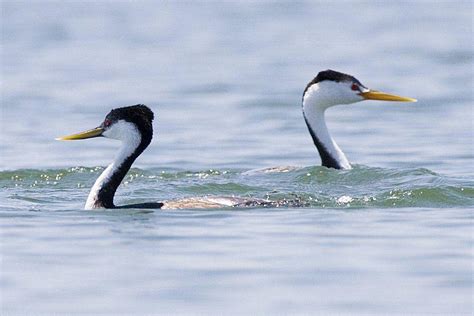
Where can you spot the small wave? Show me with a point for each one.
(316, 187)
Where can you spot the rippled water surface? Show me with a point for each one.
(394, 235)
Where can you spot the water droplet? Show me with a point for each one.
(345, 199)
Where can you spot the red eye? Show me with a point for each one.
(355, 87)
(107, 123)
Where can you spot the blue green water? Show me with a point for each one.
(394, 235)
(312, 187)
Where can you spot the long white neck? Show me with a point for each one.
(313, 110)
(103, 190)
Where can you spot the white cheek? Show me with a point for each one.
(347, 95)
(328, 93)
(124, 131)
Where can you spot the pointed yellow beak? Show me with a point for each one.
(377, 95)
(96, 132)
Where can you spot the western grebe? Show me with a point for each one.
(133, 126)
(331, 88)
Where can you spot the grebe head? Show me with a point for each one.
(122, 122)
(130, 123)
(331, 88)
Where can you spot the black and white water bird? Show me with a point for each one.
(132, 125)
(331, 88)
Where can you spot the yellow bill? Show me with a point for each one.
(96, 132)
(377, 95)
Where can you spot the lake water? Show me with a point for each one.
(392, 236)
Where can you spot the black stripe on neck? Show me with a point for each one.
(105, 197)
(326, 159)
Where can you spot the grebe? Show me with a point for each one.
(132, 125)
(331, 88)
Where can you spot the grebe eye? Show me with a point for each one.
(355, 87)
(107, 123)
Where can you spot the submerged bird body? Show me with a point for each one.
(331, 88)
(132, 125)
